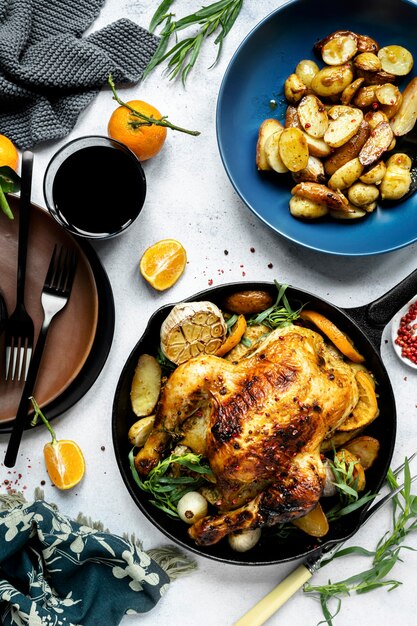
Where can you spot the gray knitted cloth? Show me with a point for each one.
(49, 73)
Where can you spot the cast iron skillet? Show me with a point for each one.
(364, 325)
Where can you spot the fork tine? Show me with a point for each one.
(51, 269)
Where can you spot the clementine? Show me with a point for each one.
(163, 263)
(145, 140)
(8, 153)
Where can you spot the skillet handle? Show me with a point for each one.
(276, 598)
(373, 317)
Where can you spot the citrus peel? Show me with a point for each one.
(336, 336)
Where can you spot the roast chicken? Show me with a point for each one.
(259, 422)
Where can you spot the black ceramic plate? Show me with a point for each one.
(270, 549)
(100, 347)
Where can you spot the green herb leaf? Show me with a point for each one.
(167, 489)
(279, 314)
(9, 183)
(384, 558)
(218, 17)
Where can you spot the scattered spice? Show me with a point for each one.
(252, 250)
(226, 252)
(407, 334)
(103, 448)
(270, 266)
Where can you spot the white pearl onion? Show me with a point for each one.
(192, 507)
(244, 540)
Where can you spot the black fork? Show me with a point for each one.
(55, 295)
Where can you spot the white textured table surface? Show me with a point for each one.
(191, 199)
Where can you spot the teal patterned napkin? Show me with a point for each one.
(57, 572)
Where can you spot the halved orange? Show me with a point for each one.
(336, 336)
(163, 263)
(366, 409)
(238, 330)
(64, 462)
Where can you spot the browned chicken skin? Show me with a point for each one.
(260, 423)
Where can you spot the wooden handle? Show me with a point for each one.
(274, 600)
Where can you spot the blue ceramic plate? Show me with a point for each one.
(256, 75)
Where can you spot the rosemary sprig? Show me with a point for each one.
(218, 17)
(279, 314)
(167, 489)
(384, 557)
(145, 120)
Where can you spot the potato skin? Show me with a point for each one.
(348, 151)
(248, 302)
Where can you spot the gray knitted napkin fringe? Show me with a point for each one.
(49, 72)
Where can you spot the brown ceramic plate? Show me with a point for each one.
(71, 335)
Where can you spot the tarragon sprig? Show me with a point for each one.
(279, 314)
(166, 489)
(218, 17)
(384, 557)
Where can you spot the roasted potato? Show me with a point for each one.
(354, 214)
(321, 194)
(306, 70)
(343, 126)
(397, 178)
(139, 431)
(347, 151)
(360, 194)
(406, 116)
(396, 59)
(272, 153)
(367, 61)
(313, 116)
(248, 302)
(267, 128)
(314, 172)
(146, 385)
(293, 149)
(307, 209)
(374, 174)
(377, 143)
(294, 88)
(339, 49)
(365, 448)
(332, 80)
(346, 175)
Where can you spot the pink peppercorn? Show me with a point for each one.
(407, 334)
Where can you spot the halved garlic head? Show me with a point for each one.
(190, 329)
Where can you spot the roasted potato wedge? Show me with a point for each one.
(346, 175)
(313, 116)
(332, 80)
(146, 385)
(272, 153)
(293, 149)
(351, 90)
(406, 116)
(314, 172)
(294, 88)
(367, 44)
(306, 70)
(374, 174)
(367, 61)
(354, 214)
(348, 151)
(321, 194)
(267, 128)
(343, 127)
(397, 178)
(377, 143)
(339, 49)
(139, 431)
(360, 194)
(307, 209)
(365, 448)
(396, 59)
(248, 302)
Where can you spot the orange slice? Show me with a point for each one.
(64, 462)
(238, 330)
(366, 409)
(163, 263)
(340, 340)
(315, 523)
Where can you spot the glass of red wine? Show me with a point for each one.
(95, 187)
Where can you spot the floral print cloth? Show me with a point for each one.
(57, 572)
